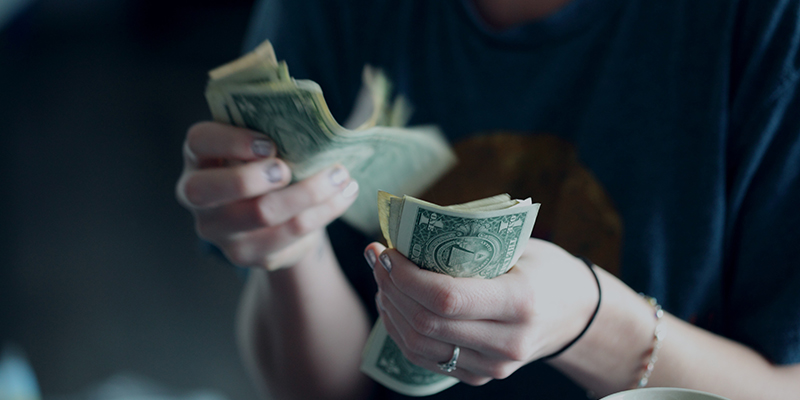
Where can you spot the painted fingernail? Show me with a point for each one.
(351, 189)
(262, 147)
(337, 176)
(371, 259)
(386, 262)
(274, 173)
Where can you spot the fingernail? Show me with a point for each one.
(371, 259)
(351, 189)
(338, 176)
(386, 262)
(274, 173)
(262, 147)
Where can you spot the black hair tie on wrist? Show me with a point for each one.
(594, 314)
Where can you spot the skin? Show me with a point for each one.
(503, 14)
(243, 203)
(302, 327)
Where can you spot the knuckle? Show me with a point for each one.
(515, 350)
(301, 225)
(475, 380)
(195, 134)
(202, 229)
(266, 213)
(382, 280)
(416, 346)
(448, 302)
(523, 308)
(194, 191)
(314, 191)
(239, 254)
(424, 323)
(239, 183)
(195, 130)
(501, 371)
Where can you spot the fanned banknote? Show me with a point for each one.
(480, 239)
(257, 92)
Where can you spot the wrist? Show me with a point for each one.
(610, 355)
(658, 336)
(569, 344)
(308, 281)
(306, 251)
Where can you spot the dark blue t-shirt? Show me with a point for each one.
(682, 117)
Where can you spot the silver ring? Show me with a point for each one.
(450, 366)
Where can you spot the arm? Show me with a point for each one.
(689, 357)
(301, 326)
(301, 330)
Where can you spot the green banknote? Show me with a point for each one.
(481, 239)
(258, 93)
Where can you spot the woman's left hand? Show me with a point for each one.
(500, 324)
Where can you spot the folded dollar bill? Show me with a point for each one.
(257, 92)
(480, 239)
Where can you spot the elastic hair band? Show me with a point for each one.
(594, 314)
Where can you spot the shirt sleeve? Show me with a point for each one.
(762, 266)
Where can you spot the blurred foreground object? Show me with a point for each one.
(10, 8)
(17, 379)
(125, 386)
(257, 92)
(480, 239)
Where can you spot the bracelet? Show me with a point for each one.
(658, 336)
(594, 314)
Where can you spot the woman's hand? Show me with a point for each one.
(240, 196)
(501, 324)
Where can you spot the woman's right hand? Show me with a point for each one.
(241, 199)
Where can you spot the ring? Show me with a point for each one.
(450, 366)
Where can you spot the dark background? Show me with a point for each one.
(101, 271)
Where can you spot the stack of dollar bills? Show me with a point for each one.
(480, 239)
(257, 92)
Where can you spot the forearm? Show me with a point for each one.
(302, 329)
(610, 356)
(697, 359)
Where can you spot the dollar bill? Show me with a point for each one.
(257, 92)
(480, 239)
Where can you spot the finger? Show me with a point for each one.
(449, 297)
(280, 206)
(209, 141)
(211, 187)
(481, 335)
(263, 212)
(485, 336)
(426, 357)
(254, 247)
(332, 190)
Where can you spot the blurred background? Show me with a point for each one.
(101, 273)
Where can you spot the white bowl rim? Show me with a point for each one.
(665, 389)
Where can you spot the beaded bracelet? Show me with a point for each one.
(658, 336)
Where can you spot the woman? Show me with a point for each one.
(663, 140)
